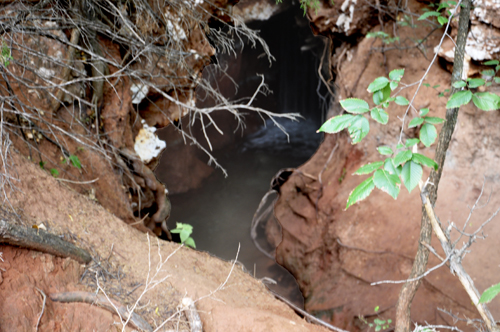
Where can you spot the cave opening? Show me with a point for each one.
(221, 209)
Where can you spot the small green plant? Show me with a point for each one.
(54, 172)
(184, 231)
(5, 56)
(75, 161)
(403, 165)
(379, 324)
(386, 39)
(440, 16)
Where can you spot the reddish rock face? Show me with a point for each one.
(336, 254)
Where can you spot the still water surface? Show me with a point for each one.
(221, 210)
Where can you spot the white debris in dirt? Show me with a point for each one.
(147, 144)
(45, 73)
(139, 92)
(481, 44)
(258, 11)
(176, 31)
(485, 9)
(449, 55)
(196, 54)
(344, 20)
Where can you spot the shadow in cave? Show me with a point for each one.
(221, 209)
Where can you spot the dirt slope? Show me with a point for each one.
(121, 254)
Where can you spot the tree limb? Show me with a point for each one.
(38, 239)
(456, 264)
(403, 318)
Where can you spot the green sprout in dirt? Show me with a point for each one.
(386, 38)
(379, 324)
(5, 55)
(184, 231)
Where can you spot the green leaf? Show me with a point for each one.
(442, 20)
(475, 82)
(355, 105)
(423, 160)
(399, 146)
(402, 157)
(379, 115)
(393, 85)
(358, 129)
(389, 167)
(433, 120)
(381, 96)
(42, 164)
(368, 168)
(428, 14)
(488, 72)
(396, 74)
(436, 86)
(384, 150)
(490, 294)
(424, 111)
(184, 231)
(378, 84)
(54, 172)
(360, 192)
(376, 308)
(387, 182)
(415, 122)
(190, 243)
(411, 175)
(184, 234)
(497, 79)
(486, 101)
(459, 98)
(411, 142)
(428, 134)
(400, 100)
(426, 84)
(337, 123)
(75, 161)
(459, 84)
(491, 63)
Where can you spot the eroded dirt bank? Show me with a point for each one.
(335, 254)
(121, 262)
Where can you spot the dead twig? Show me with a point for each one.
(104, 302)
(43, 307)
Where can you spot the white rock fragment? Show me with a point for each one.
(45, 73)
(176, 31)
(482, 43)
(139, 92)
(195, 53)
(256, 11)
(344, 20)
(147, 144)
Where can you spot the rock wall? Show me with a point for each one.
(335, 254)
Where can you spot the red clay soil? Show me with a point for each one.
(336, 254)
(121, 261)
